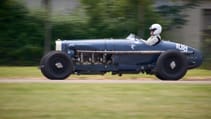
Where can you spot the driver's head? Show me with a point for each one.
(155, 29)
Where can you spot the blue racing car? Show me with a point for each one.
(167, 60)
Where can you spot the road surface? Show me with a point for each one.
(29, 80)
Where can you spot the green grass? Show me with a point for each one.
(199, 72)
(105, 101)
(34, 72)
(19, 72)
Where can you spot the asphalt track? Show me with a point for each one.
(148, 81)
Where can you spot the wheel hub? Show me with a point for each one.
(59, 65)
(173, 65)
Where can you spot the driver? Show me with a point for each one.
(155, 38)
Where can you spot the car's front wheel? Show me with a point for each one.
(171, 65)
(56, 65)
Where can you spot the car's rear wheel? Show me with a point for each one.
(171, 65)
(56, 65)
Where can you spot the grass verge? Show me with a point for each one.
(103, 101)
(34, 72)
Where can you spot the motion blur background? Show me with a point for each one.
(29, 28)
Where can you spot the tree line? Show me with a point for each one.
(22, 32)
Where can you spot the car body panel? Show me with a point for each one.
(121, 55)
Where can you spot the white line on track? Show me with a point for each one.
(106, 81)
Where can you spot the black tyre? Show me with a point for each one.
(171, 65)
(56, 65)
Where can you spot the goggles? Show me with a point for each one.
(152, 29)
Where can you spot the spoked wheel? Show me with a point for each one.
(171, 65)
(56, 65)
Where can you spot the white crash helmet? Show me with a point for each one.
(155, 29)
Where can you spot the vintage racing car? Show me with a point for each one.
(167, 60)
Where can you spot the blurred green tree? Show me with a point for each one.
(48, 25)
(174, 14)
(118, 18)
(21, 35)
